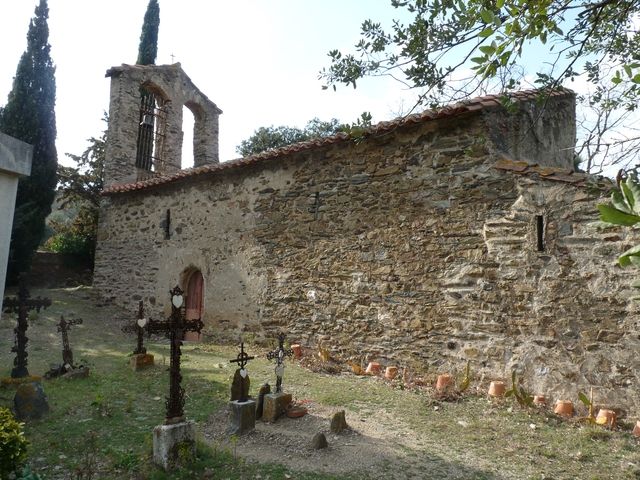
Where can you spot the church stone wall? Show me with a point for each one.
(408, 248)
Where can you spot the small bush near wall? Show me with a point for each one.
(13, 445)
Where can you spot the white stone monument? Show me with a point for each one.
(15, 161)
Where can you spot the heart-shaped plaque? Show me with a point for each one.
(243, 372)
(177, 301)
(142, 322)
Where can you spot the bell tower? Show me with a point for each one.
(145, 136)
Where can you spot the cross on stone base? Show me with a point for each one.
(279, 354)
(174, 328)
(138, 328)
(241, 382)
(21, 305)
(67, 354)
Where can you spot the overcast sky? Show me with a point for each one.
(258, 60)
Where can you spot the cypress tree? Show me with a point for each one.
(29, 116)
(147, 52)
(148, 49)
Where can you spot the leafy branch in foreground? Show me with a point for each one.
(624, 210)
(449, 50)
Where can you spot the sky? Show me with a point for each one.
(258, 60)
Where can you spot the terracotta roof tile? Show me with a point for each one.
(449, 111)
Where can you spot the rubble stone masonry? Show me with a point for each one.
(412, 247)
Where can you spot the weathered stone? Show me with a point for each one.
(240, 385)
(30, 401)
(75, 373)
(243, 417)
(338, 422)
(438, 248)
(140, 361)
(319, 441)
(264, 389)
(175, 89)
(174, 445)
(275, 404)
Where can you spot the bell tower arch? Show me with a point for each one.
(145, 136)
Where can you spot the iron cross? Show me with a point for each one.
(242, 359)
(63, 328)
(174, 328)
(21, 305)
(279, 355)
(138, 328)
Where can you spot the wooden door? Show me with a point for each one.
(194, 303)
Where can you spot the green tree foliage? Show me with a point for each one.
(148, 49)
(624, 209)
(452, 49)
(266, 138)
(80, 187)
(13, 445)
(29, 116)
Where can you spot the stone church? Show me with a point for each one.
(453, 235)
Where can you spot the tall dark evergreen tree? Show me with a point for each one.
(29, 115)
(147, 52)
(148, 49)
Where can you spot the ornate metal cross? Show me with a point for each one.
(174, 328)
(138, 328)
(63, 328)
(242, 376)
(243, 358)
(279, 355)
(21, 305)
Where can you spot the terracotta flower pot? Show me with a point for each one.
(391, 372)
(443, 381)
(497, 389)
(373, 368)
(297, 351)
(636, 429)
(539, 400)
(564, 408)
(606, 417)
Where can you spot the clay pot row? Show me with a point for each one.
(374, 368)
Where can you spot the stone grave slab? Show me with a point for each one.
(275, 404)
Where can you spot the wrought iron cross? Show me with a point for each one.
(279, 355)
(242, 359)
(138, 328)
(63, 328)
(174, 328)
(21, 305)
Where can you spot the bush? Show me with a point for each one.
(13, 445)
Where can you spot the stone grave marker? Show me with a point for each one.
(174, 442)
(140, 358)
(243, 409)
(22, 305)
(275, 404)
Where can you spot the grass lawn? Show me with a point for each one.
(100, 427)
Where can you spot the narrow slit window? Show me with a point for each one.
(540, 232)
(167, 225)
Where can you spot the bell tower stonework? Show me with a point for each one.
(145, 123)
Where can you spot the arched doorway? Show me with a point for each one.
(194, 302)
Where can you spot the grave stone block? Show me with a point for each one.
(243, 416)
(275, 404)
(174, 445)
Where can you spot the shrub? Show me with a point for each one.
(13, 445)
